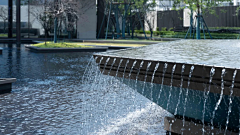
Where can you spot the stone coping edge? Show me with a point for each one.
(109, 41)
(50, 50)
(7, 80)
(175, 125)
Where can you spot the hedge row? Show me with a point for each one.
(172, 34)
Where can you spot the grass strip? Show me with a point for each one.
(61, 45)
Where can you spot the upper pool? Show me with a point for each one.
(209, 52)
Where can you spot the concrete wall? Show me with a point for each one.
(224, 17)
(170, 19)
(87, 23)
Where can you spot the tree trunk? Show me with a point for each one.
(4, 27)
(55, 30)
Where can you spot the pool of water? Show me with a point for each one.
(209, 52)
(50, 97)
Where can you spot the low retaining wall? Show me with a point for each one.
(1, 50)
(6, 84)
(55, 50)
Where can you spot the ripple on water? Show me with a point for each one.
(48, 98)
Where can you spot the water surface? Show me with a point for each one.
(209, 52)
(50, 97)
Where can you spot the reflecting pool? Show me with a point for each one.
(50, 97)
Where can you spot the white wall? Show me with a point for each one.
(87, 23)
(152, 17)
(24, 17)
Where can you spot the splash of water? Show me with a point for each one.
(173, 70)
(140, 66)
(83, 96)
(105, 106)
(89, 62)
(114, 100)
(97, 84)
(164, 71)
(220, 99)
(180, 93)
(212, 72)
(185, 101)
(230, 101)
(145, 79)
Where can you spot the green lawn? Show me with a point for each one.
(60, 45)
(3, 35)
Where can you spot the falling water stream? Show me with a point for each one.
(212, 72)
(106, 91)
(135, 87)
(170, 91)
(153, 75)
(185, 101)
(220, 99)
(230, 102)
(145, 78)
(161, 89)
(180, 93)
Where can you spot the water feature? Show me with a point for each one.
(190, 82)
(54, 100)
(50, 97)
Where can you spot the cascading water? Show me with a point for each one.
(173, 70)
(140, 66)
(89, 63)
(212, 72)
(114, 97)
(83, 93)
(106, 103)
(145, 78)
(185, 101)
(161, 89)
(134, 63)
(153, 75)
(183, 68)
(220, 99)
(230, 102)
(135, 86)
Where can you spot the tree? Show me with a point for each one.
(51, 12)
(4, 16)
(38, 9)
